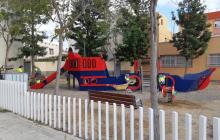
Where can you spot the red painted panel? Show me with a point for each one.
(77, 63)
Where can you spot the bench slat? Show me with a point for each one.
(119, 99)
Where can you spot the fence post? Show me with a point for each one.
(202, 127)
(162, 125)
(107, 120)
(18, 97)
(32, 105)
(141, 121)
(115, 120)
(25, 104)
(1, 93)
(54, 111)
(131, 122)
(100, 120)
(123, 132)
(46, 109)
(38, 106)
(86, 119)
(59, 112)
(28, 105)
(69, 115)
(188, 126)
(42, 108)
(92, 120)
(6, 96)
(12, 92)
(9, 95)
(175, 125)
(216, 128)
(21, 98)
(25, 94)
(80, 130)
(50, 110)
(35, 107)
(151, 123)
(64, 113)
(74, 116)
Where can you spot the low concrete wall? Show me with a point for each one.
(49, 67)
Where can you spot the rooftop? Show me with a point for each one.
(213, 15)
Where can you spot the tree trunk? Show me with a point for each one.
(6, 57)
(153, 78)
(186, 66)
(59, 63)
(32, 65)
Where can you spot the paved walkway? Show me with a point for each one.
(13, 127)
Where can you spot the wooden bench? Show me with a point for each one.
(111, 98)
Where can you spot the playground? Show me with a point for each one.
(204, 100)
(192, 94)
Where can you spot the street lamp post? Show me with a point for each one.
(84, 44)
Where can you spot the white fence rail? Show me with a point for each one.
(89, 120)
(21, 77)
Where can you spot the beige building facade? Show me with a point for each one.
(14, 50)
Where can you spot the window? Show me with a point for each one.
(161, 21)
(217, 24)
(51, 52)
(214, 60)
(174, 61)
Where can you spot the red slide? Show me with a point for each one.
(46, 81)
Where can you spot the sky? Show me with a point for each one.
(165, 7)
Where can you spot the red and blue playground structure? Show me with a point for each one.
(92, 74)
(189, 82)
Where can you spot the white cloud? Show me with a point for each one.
(212, 5)
(168, 3)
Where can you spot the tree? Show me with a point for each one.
(153, 77)
(192, 40)
(9, 29)
(91, 30)
(62, 15)
(134, 27)
(33, 14)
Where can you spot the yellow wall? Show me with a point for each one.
(199, 64)
(163, 30)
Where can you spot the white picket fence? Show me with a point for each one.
(84, 120)
(22, 77)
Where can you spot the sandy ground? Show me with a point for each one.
(13, 127)
(198, 103)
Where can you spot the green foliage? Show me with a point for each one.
(91, 28)
(192, 40)
(34, 13)
(134, 28)
(9, 19)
